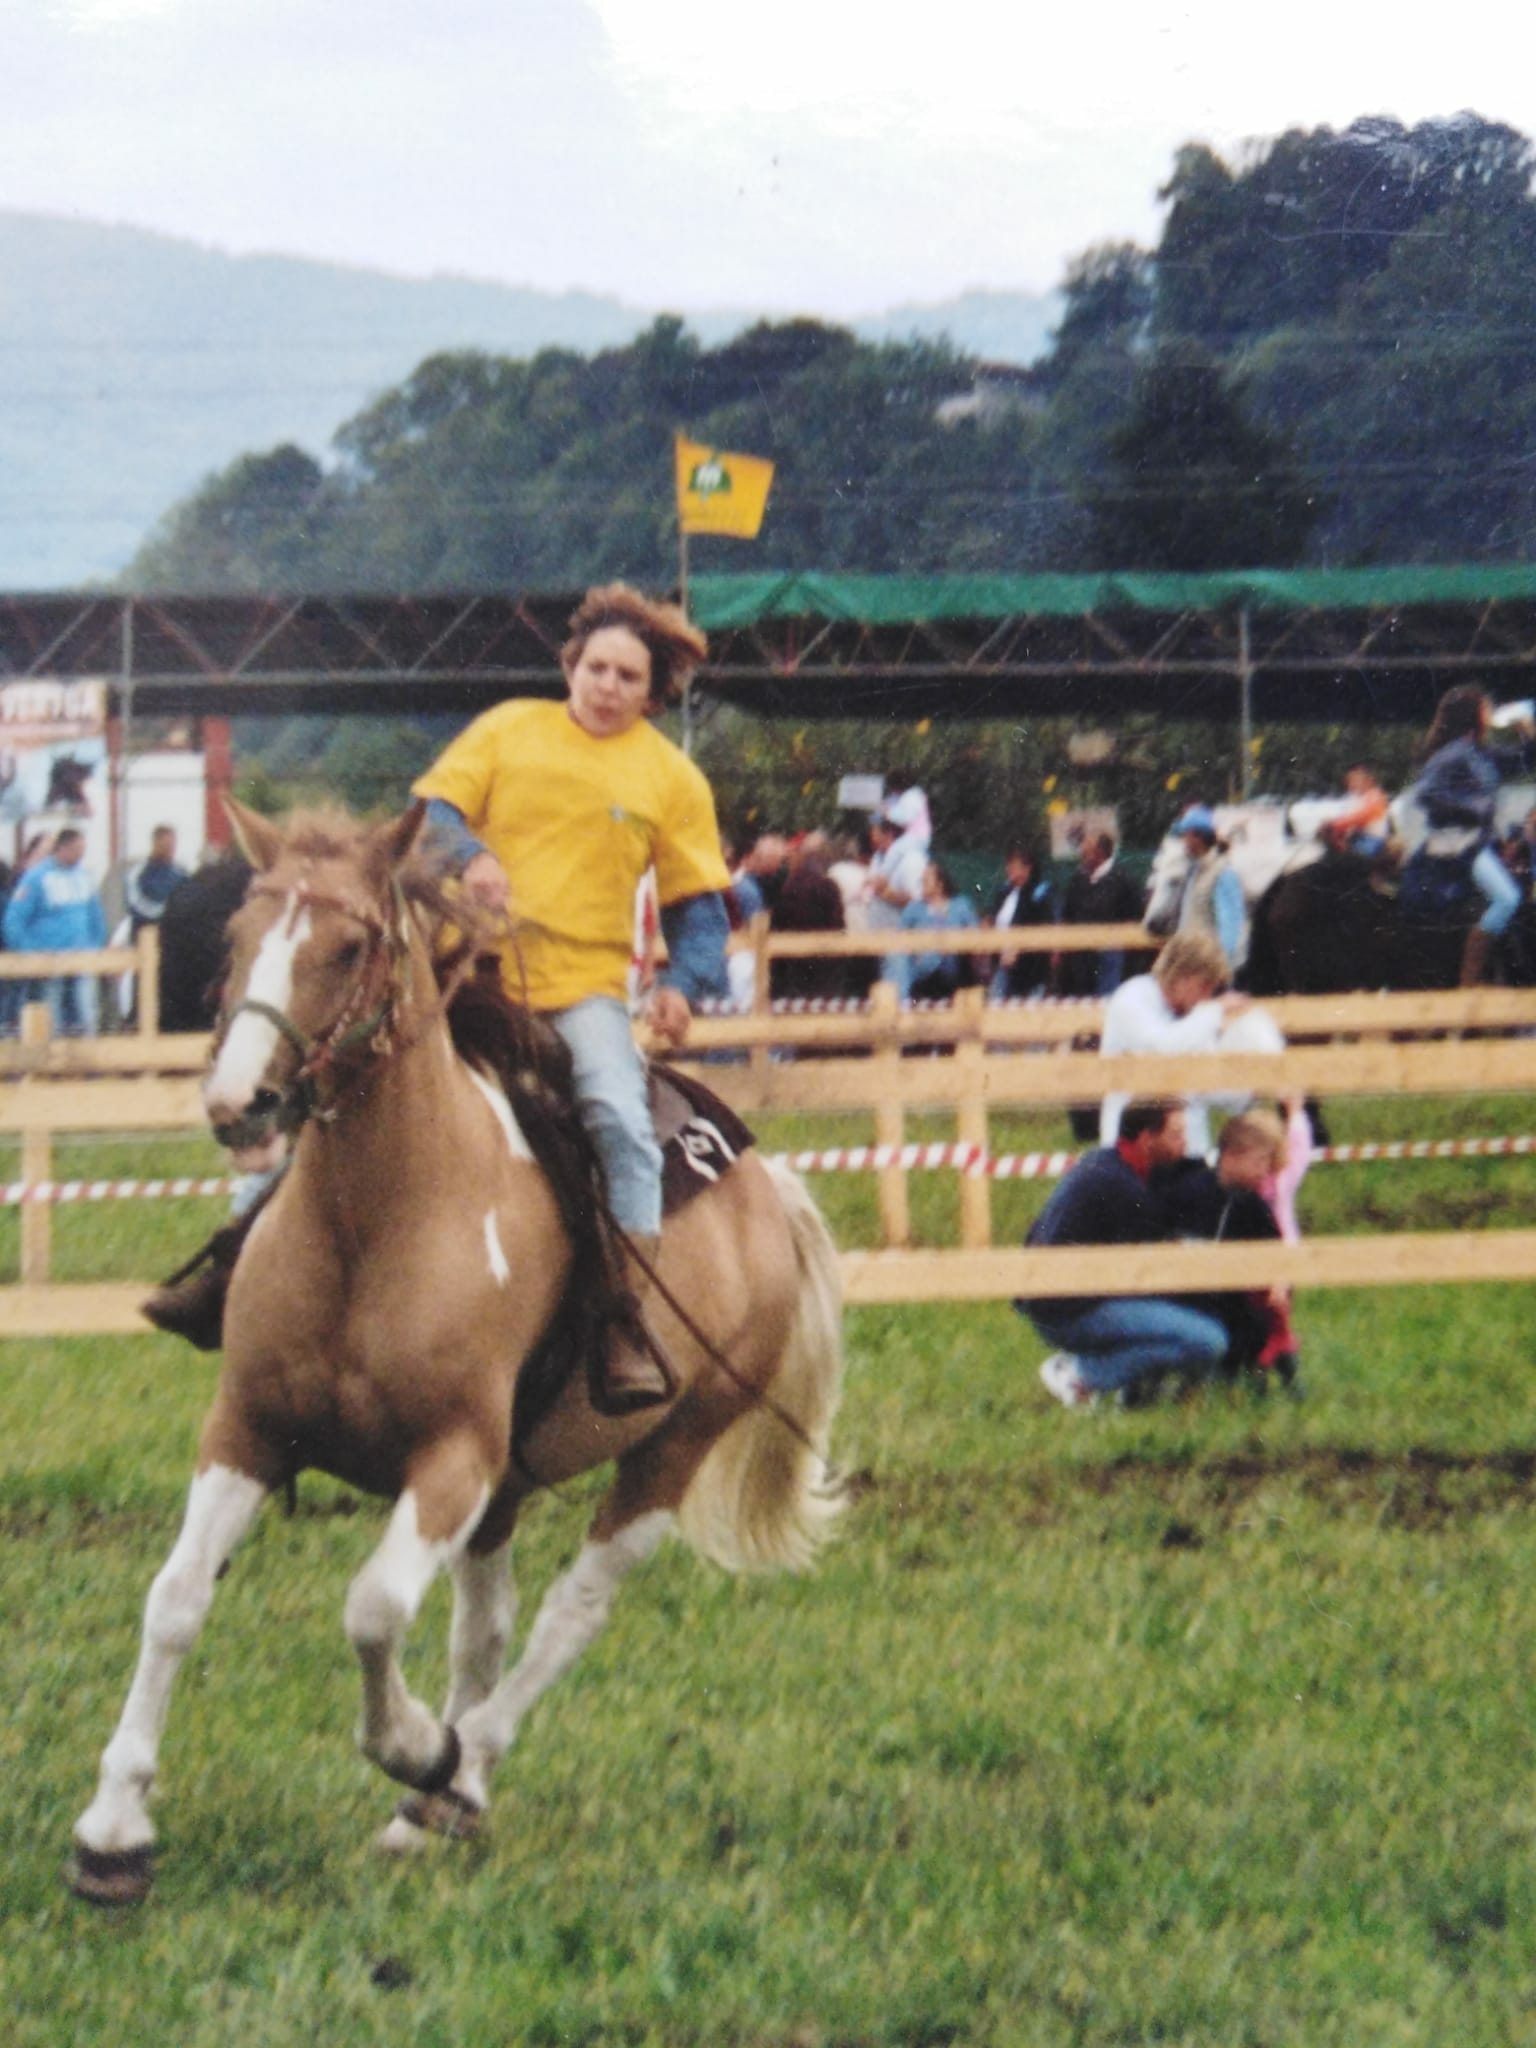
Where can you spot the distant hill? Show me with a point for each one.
(133, 365)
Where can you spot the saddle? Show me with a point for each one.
(700, 1138)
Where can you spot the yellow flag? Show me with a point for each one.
(718, 492)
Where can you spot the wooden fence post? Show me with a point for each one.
(36, 1165)
(760, 1058)
(890, 1119)
(146, 984)
(971, 1114)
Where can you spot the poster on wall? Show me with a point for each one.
(53, 765)
(1071, 828)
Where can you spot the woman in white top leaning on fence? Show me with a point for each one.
(1183, 1005)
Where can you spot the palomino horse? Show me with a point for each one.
(380, 1315)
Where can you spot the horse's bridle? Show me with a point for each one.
(289, 1109)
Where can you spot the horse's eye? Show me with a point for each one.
(349, 954)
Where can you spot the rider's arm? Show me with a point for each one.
(448, 831)
(695, 929)
(1229, 911)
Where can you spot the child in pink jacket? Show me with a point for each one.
(1260, 1152)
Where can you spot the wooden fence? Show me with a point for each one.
(969, 1061)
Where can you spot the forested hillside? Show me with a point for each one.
(1330, 357)
(134, 365)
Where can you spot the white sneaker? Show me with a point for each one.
(1059, 1376)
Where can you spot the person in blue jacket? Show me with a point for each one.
(1120, 1344)
(55, 909)
(1458, 791)
(933, 977)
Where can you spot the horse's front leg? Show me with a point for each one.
(433, 1520)
(484, 1614)
(114, 1837)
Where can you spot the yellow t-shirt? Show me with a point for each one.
(576, 821)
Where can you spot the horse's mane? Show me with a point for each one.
(459, 930)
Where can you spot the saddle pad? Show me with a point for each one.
(700, 1138)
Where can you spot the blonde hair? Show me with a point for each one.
(1251, 1130)
(1192, 953)
(669, 636)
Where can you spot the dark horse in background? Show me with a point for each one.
(1330, 927)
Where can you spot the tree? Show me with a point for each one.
(253, 527)
(1193, 481)
(1108, 293)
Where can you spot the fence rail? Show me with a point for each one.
(971, 1059)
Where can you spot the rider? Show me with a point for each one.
(556, 811)
(1362, 828)
(1458, 791)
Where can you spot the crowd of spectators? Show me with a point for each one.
(50, 902)
(882, 876)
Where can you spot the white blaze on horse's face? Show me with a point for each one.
(246, 1054)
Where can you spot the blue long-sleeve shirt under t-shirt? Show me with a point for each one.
(696, 928)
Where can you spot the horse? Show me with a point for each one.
(1265, 839)
(384, 1321)
(1332, 926)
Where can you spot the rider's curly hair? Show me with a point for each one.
(669, 636)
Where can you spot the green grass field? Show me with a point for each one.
(1205, 1724)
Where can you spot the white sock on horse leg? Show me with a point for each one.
(400, 1734)
(484, 1615)
(221, 1505)
(570, 1617)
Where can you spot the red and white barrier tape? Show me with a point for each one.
(834, 1006)
(970, 1159)
(14, 1193)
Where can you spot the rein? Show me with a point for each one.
(318, 1051)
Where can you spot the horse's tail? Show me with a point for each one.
(766, 1496)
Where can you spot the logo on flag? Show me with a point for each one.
(719, 492)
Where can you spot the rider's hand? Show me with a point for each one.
(1233, 1003)
(485, 881)
(668, 1015)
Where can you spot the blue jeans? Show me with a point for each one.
(611, 1093)
(71, 1000)
(1127, 1338)
(1500, 889)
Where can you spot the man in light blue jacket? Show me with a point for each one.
(55, 909)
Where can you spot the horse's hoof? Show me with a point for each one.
(401, 1837)
(446, 1813)
(111, 1877)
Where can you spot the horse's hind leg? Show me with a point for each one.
(434, 1519)
(627, 1529)
(114, 1836)
(484, 1615)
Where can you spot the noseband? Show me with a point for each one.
(289, 1109)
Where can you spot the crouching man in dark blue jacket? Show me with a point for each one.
(1119, 1344)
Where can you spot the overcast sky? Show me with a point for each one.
(835, 156)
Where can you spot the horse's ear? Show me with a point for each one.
(257, 837)
(391, 843)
